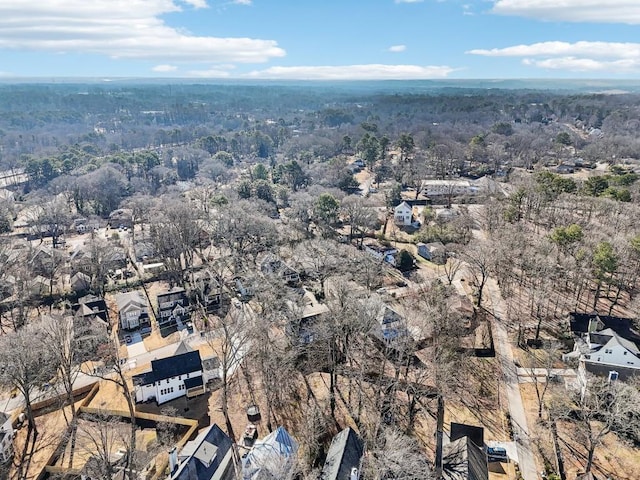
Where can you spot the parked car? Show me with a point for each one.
(497, 454)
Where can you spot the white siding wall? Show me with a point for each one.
(165, 390)
(615, 355)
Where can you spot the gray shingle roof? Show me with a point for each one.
(344, 454)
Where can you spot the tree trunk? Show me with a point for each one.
(590, 454)
(596, 296)
(480, 289)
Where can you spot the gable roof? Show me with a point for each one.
(202, 457)
(182, 348)
(615, 338)
(344, 454)
(170, 367)
(464, 460)
(403, 206)
(130, 299)
(80, 281)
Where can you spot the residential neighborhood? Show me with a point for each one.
(270, 284)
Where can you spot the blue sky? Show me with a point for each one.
(320, 39)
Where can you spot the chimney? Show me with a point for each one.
(173, 459)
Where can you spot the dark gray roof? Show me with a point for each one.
(464, 460)
(344, 454)
(579, 323)
(475, 433)
(193, 382)
(205, 456)
(170, 367)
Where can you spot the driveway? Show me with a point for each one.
(526, 459)
(136, 346)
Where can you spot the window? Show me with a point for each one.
(624, 353)
(167, 381)
(608, 350)
(171, 390)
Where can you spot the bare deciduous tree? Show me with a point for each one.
(603, 407)
(397, 456)
(26, 364)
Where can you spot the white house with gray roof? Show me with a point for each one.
(133, 310)
(606, 347)
(403, 214)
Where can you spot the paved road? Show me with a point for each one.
(526, 459)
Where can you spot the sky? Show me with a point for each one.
(320, 39)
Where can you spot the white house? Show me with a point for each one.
(607, 348)
(402, 214)
(170, 378)
(6, 438)
(133, 310)
(381, 252)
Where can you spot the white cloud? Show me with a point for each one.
(242, 2)
(354, 72)
(574, 64)
(595, 11)
(397, 48)
(409, 1)
(196, 3)
(216, 71)
(120, 29)
(608, 57)
(164, 68)
(592, 49)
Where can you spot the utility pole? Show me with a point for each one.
(439, 436)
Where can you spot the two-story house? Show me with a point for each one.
(605, 344)
(206, 289)
(173, 307)
(403, 214)
(6, 438)
(91, 308)
(170, 378)
(133, 310)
